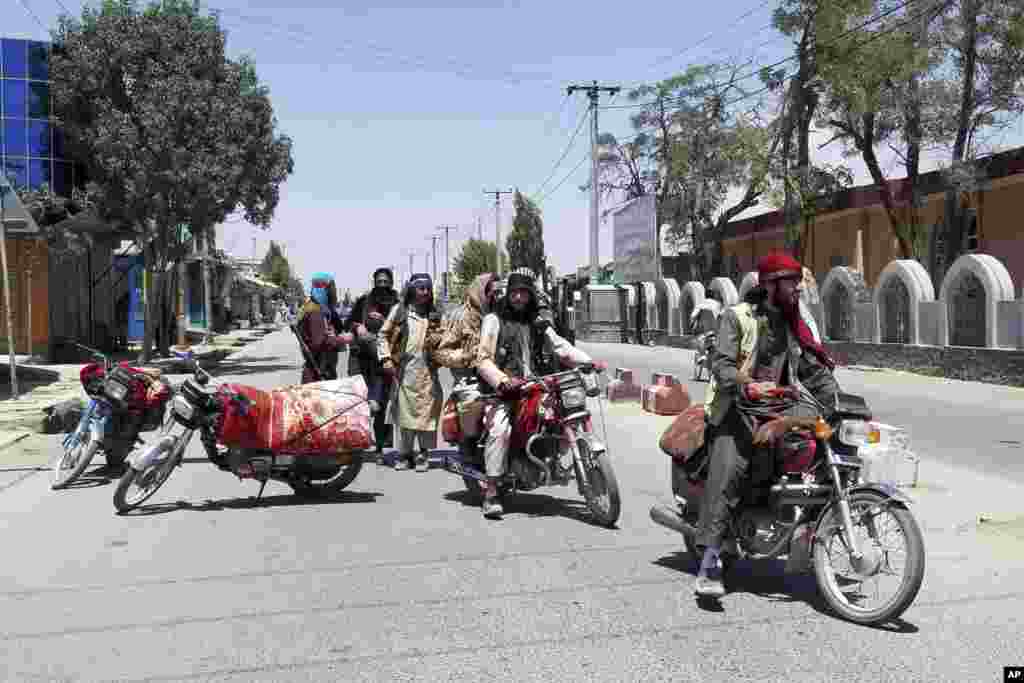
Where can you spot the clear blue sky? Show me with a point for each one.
(401, 114)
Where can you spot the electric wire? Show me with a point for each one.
(32, 14)
(562, 181)
(565, 152)
(709, 36)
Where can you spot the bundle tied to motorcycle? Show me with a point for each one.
(309, 436)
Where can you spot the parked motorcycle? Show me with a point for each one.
(816, 510)
(307, 436)
(124, 401)
(552, 441)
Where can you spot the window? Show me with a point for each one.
(15, 58)
(39, 100)
(971, 235)
(38, 138)
(58, 143)
(62, 178)
(17, 171)
(38, 173)
(39, 61)
(15, 137)
(15, 99)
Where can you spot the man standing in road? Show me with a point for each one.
(368, 315)
(768, 341)
(317, 332)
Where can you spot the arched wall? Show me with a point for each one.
(919, 287)
(998, 287)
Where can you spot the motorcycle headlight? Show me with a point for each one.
(115, 390)
(182, 408)
(574, 398)
(858, 433)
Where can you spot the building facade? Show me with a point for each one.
(856, 231)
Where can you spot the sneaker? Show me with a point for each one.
(380, 458)
(403, 463)
(710, 585)
(492, 508)
(422, 462)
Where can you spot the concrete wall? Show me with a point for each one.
(996, 366)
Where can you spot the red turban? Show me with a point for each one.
(778, 265)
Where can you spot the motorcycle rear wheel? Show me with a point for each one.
(913, 573)
(82, 452)
(336, 483)
(124, 501)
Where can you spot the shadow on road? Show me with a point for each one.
(534, 505)
(767, 579)
(251, 502)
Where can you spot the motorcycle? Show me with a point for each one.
(816, 510)
(260, 435)
(552, 441)
(124, 401)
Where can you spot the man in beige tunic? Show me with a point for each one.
(406, 342)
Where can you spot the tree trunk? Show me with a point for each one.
(7, 300)
(954, 222)
(207, 285)
(181, 305)
(866, 145)
(152, 308)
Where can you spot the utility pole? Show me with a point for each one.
(497, 224)
(447, 257)
(433, 245)
(593, 92)
(6, 189)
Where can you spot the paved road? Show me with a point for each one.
(400, 580)
(965, 424)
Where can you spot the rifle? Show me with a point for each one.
(306, 353)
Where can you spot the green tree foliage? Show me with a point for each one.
(275, 266)
(475, 258)
(525, 243)
(172, 132)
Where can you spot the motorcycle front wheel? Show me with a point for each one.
(137, 486)
(848, 586)
(76, 457)
(600, 487)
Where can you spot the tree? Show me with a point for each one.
(985, 90)
(876, 93)
(173, 134)
(475, 258)
(525, 243)
(275, 266)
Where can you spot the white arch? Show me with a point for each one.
(998, 287)
(919, 288)
(692, 294)
(726, 290)
(630, 291)
(674, 296)
(853, 282)
(749, 281)
(651, 299)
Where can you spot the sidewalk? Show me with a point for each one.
(27, 413)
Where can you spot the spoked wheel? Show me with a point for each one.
(76, 457)
(600, 487)
(136, 486)
(884, 582)
(320, 487)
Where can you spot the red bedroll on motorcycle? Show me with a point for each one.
(552, 441)
(124, 401)
(308, 436)
(810, 504)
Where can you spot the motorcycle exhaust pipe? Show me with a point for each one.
(800, 494)
(537, 461)
(670, 519)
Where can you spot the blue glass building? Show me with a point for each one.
(31, 147)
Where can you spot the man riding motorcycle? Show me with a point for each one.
(767, 342)
(516, 342)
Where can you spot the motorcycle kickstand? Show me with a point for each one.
(263, 485)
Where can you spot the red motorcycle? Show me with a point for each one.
(552, 441)
(124, 401)
(307, 436)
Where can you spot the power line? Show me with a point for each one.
(33, 14)
(565, 152)
(348, 45)
(562, 181)
(64, 7)
(709, 36)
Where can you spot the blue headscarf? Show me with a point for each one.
(318, 290)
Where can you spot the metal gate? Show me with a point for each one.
(839, 312)
(895, 302)
(967, 312)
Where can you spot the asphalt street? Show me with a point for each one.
(401, 580)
